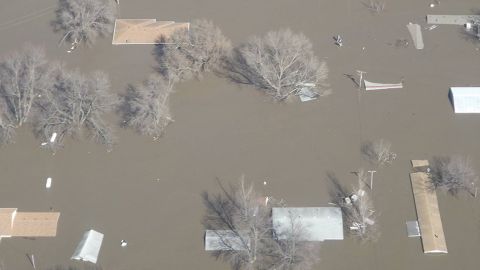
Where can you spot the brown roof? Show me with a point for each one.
(6, 220)
(28, 224)
(428, 213)
(144, 31)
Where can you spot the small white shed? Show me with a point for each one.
(89, 247)
(465, 99)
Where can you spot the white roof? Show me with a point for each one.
(466, 99)
(318, 223)
(226, 240)
(89, 247)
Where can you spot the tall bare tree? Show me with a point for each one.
(240, 209)
(77, 103)
(146, 107)
(189, 53)
(24, 77)
(280, 63)
(82, 21)
(454, 174)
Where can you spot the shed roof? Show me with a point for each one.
(144, 31)
(226, 240)
(89, 247)
(466, 99)
(319, 223)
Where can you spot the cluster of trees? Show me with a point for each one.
(378, 152)
(82, 21)
(360, 217)
(454, 174)
(52, 98)
(244, 212)
(279, 63)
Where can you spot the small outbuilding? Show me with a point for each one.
(89, 247)
(226, 240)
(145, 31)
(465, 99)
(317, 223)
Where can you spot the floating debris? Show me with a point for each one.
(48, 184)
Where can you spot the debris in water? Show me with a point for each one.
(54, 136)
(48, 184)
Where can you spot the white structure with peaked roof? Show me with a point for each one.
(317, 223)
(89, 247)
(466, 99)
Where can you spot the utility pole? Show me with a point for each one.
(360, 73)
(371, 179)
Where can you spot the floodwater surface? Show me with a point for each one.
(149, 193)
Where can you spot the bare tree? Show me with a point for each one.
(24, 77)
(378, 152)
(454, 174)
(240, 209)
(77, 103)
(280, 63)
(84, 20)
(375, 6)
(189, 53)
(146, 106)
(360, 217)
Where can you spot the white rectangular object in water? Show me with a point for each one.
(48, 184)
(381, 86)
(89, 247)
(416, 33)
(54, 136)
(466, 99)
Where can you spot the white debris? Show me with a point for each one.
(432, 5)
(54, 136)
(264, 183)
(123, 243)
(43, 143)
(48, 184)
(305, 94)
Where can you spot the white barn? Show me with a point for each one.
(318, 223)
(465, 99)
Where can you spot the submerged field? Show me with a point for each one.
(149, 193)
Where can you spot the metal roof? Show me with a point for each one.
(226, 240)
(466, 99)
(89, 247)
(318, 223)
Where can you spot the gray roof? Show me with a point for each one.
(226, 240)
(317, 223)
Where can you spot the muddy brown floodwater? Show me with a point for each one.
(148, 193)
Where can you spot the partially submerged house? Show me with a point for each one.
(145, 31)
(89, 247)
(465, 99)
(316, 223)
(226, 240)
(27, 224)
(428, 213)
